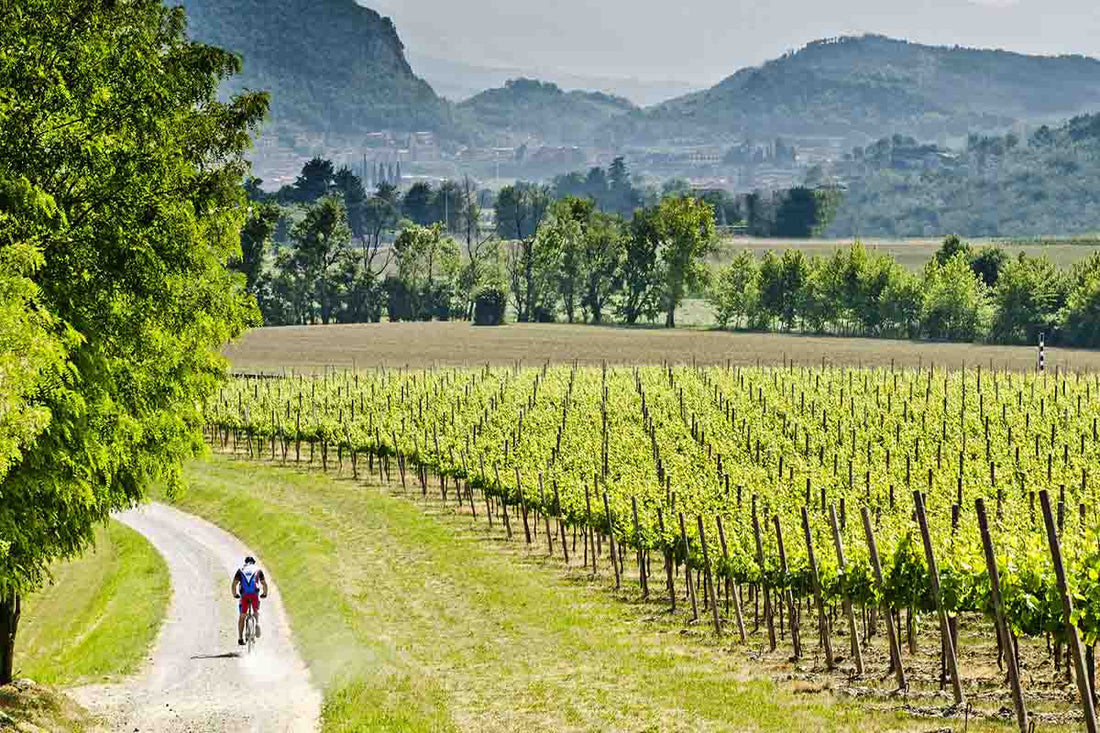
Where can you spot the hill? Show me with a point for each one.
(869, 86)
(996, 186)
(458, 80)
(524, 108)
(335, 69)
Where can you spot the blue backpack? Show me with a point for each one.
(250, 578)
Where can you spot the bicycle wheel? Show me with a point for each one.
(250, 631)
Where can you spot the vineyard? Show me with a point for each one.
(802, 509)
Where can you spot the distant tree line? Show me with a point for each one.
(342, 255)
(961, 295)
(323, 250)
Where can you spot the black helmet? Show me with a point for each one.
(250, 560)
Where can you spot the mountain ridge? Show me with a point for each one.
(870, 85)
(336, 70)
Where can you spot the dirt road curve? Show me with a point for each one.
(197, 678)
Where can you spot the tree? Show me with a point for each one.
(317, 179)
(520, 210)
(903, 303)
(567, 226)
(686, 228)
(987, 264)
(322, 243)
(450, 203)
(127, 172)
(1081, 319)
(951, 246)
(794, 272)
(255, 237)
(622, 197)
(878, 273)
(734, 295)
(601, 254)
(481, 249)
(351, 189)
(956, 302)
(1028, 295)
(379, 218)
(427, 267)
(797, 214)
(770, 283)
(418, 204)
(643, 271)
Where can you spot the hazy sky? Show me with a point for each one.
(702, 41)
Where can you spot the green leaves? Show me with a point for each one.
(120, 205)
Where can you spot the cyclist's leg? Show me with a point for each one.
(243, 609)
(256, 613)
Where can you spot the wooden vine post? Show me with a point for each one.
(503, 503)
(937, 595)
(891, 632)
(763, 583)
(523, 507)
(561, 524)
(641, 553)
(611, 537)
(687, 570)
(999, 616)
(796, 641)
(731, 586)
(709, 578)
(670, 579)
(857, 653)
(1072, 637)
(822, 621)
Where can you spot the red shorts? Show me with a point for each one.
(250, 600)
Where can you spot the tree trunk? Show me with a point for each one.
(670, 319)
(9, 624)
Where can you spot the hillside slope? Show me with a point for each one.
(871, 86)
(525, 107)
(998, 186)
(333, 67)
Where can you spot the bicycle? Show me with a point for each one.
(250, 635)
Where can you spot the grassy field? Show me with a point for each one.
(913, 254)
(415, 619)
(99, 616)
(314, 348)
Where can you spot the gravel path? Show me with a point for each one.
(197, 678)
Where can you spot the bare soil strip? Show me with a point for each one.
(314, 348)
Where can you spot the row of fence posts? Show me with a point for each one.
(1002, 628)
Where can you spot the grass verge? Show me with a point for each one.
(25, 707)
(99, 616)
(415, 621)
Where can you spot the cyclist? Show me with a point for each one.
(247, 583)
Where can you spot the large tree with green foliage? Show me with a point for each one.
(643, 271)
(685, 226)
(322, 244)
(733, 294)
(956, 301)
(121, 177)
(428, 266)
(255, 237)
(601, 263)
(1029, 293)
